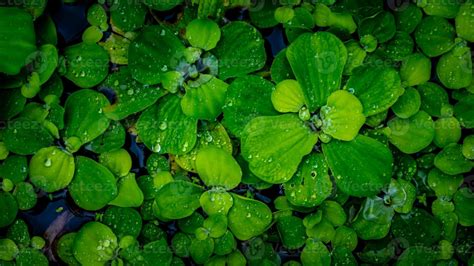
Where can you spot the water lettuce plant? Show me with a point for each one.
(236, 132)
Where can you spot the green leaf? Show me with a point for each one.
(413, 134)
(403, 196)
(463, 201)
(247, 97)
(9, 249)
(86, 64)
(281, 69)
(311, 184)
(12, 103)
(8, 208)
(64, 248)
(119, 161)
(441, 8)
(18, 39)
(275, 145)
(454, 68)
(345, 237)
(19, 232)
(288, 96)
(123, 221)
(127, 15)
(96, 14)
(317, 61)
(433, 98)
(248, 218)
(129, 193)
(324, 17)
(216, 167)
(435, 36)
(417, 228)
(315, 253)
(164, 128)
(51, 169)
(369, 229)
(30, 256)
(408, 103)
(24, 136)
(333, 213)
(292, 231)
(117, 46)
(225, 244)
(377, 88)
(201, 250)
(112, 139)
(216, 201)
(362, 167)
(203, 33)
(94, 244)
(355, 56)
(240, 50)
(130, 96)
(381, 26)
(45, 61)
(467, 147)
(208, 135)
(180, 244)
(451, 161)
(408, 18)
(447, 131)
(415, 69)
(414, 255)
(14, 168)
(463, 19)
(205, 101)
(444, 185)
(155, 51)
(263, 17)
(178, 199)
(162, 5)
(215, 225)
(93, 185)
(84, 118)
(399, 47)
(464, 112)
(152, 257)
(342, 116)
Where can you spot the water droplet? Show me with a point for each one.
(156, 148)
(48, 162)
(163, 125)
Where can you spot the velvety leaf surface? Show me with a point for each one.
(247, 97)
(240, 50)
(275, 145)
(377, 88)
(361, 167)
(317, 61)
(164, 128)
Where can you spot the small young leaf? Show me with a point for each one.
(216, 167)
(342, 116)
(178, 199)
(248, 218)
